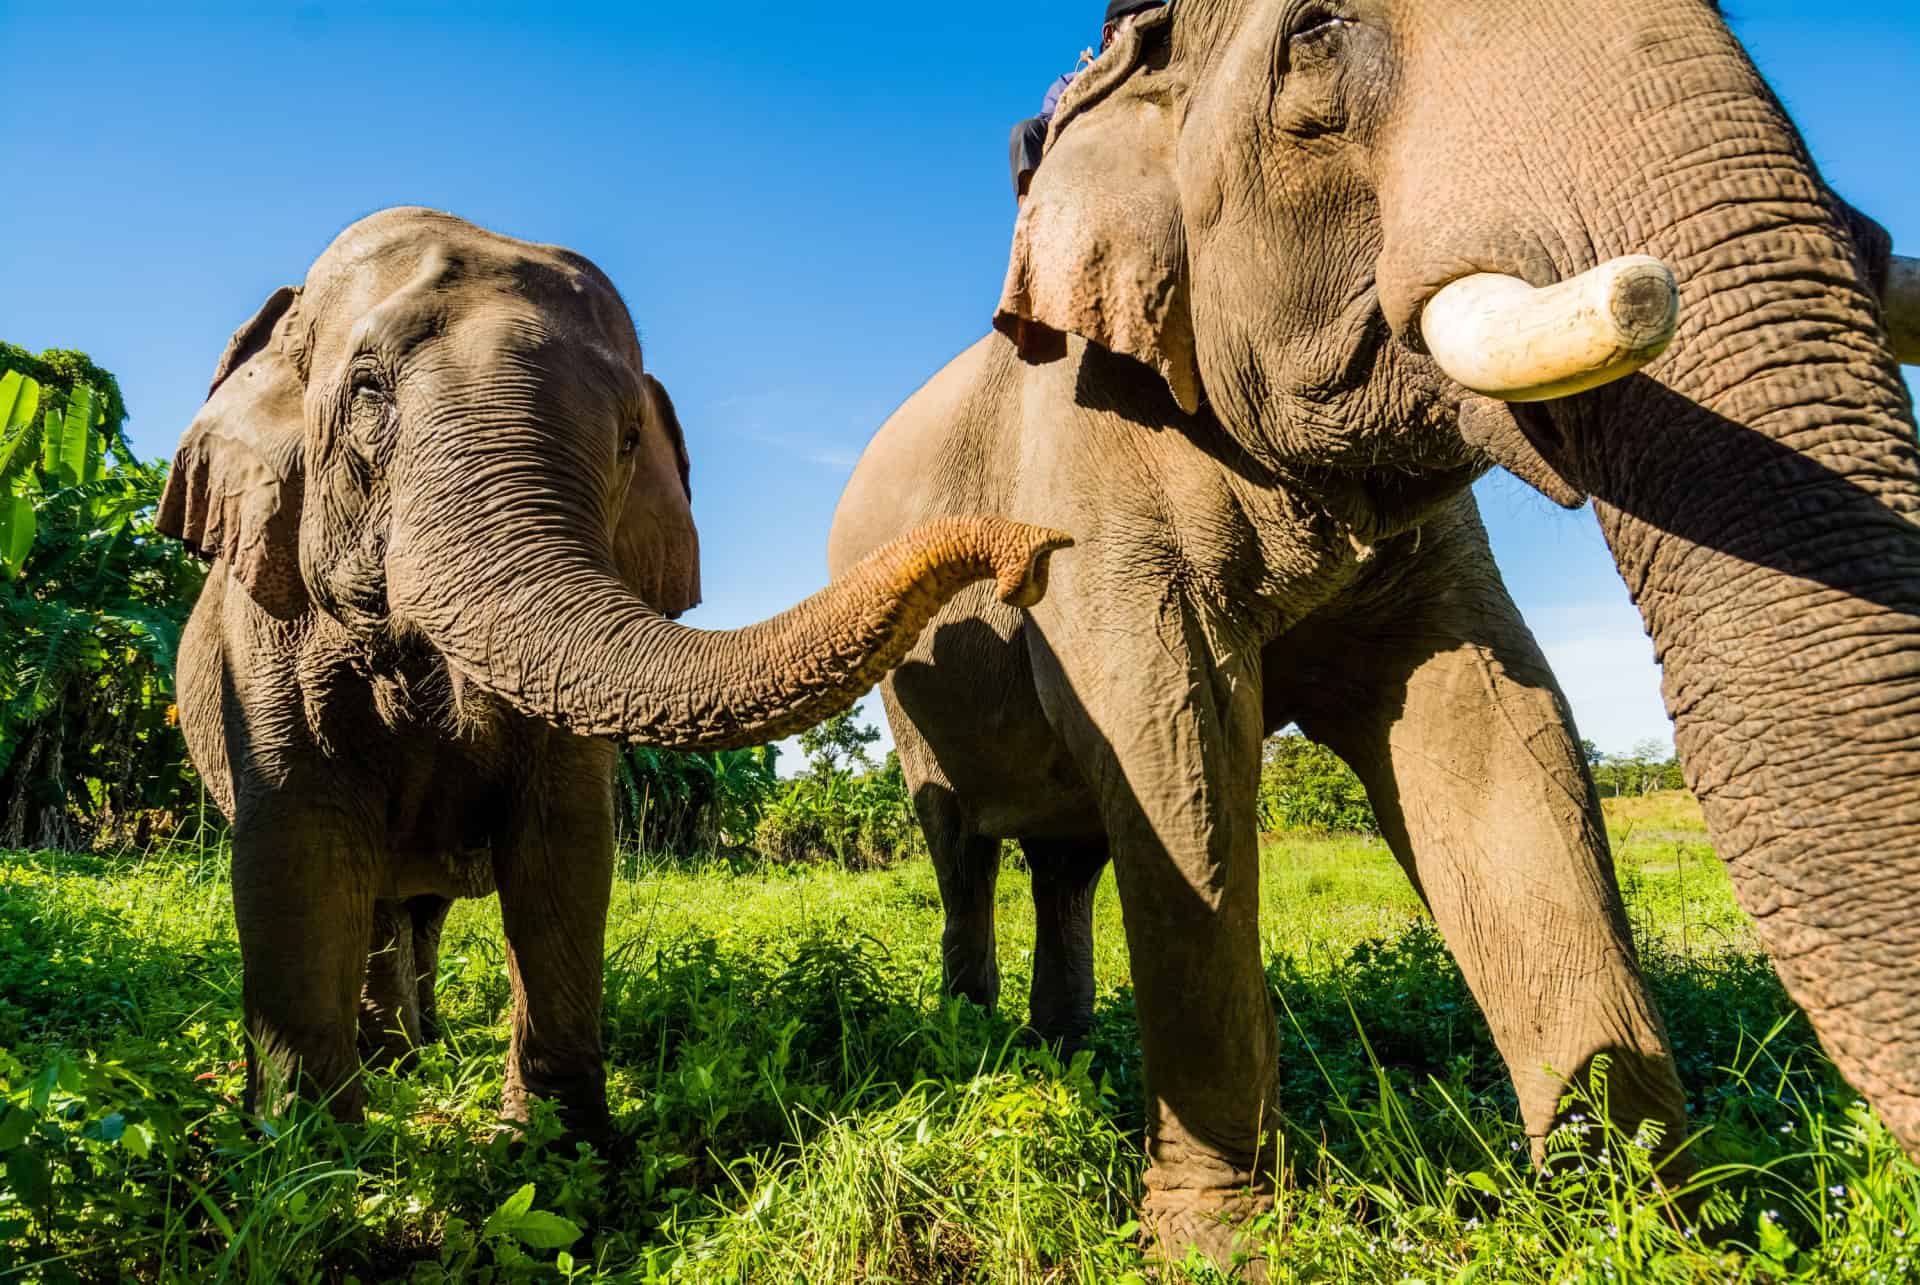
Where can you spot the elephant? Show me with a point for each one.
(449, 516)
(1277, 297)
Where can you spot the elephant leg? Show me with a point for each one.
(1468, 751)
(1169, 732)
(303, 908)
(427, 918)
(1065, 875)
(967, 866)
(555, 878)
(390, 997)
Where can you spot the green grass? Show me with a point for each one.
(795, 1101)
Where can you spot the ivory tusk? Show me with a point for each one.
(1502, 338)
(1903, 310)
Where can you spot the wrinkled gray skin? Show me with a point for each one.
(1252, 202)
(448, 509)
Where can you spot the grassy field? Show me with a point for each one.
(795, 1101)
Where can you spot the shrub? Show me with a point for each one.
(1305, 786)
(860, 822)
(688, 804)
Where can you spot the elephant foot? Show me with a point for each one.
(1062, 1041)
(389, 1052)
(280, 1085)
(978, 983)
(1215, 1222)
(387, 1035)
(517, 1140)
(582, 1115)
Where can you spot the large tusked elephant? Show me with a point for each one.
(450, 517)
(1250, 207)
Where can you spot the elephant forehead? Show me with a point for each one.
(401, 276)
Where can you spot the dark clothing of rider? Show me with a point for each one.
(1030, 136)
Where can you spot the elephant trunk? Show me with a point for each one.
(551, 629)
(1759, 501)
(1756, 485)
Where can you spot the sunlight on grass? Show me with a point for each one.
(796, 1102)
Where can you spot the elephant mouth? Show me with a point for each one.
(1536, 423)
(1526, 439)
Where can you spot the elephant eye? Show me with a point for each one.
(1317, 24)
(369, 413)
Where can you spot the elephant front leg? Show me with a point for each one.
(555, 877)
(303, 909)
(1468, 750)
(1066, 874)
(1170, 733)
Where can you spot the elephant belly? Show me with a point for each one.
(439, 873)
(443, 816)
(968, 693)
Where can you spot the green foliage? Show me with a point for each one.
(839, 740)
(795, 1102)
(688, 805)
(92, 601)
(1649, 766)
(1305, 786)
(860, 822)
(64, 369)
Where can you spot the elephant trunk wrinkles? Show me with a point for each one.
(1757, 485)
(1759, 501)
(562, 639)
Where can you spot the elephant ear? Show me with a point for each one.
(658, 547)
(1100, 247)
(235, 490)
(660, 407)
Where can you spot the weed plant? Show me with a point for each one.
(795, 1101)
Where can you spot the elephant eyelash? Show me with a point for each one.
(366, 381)
(1320, 23)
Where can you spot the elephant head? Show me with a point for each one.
(448, 435)
(1272, 202)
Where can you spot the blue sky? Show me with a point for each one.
(806, 208)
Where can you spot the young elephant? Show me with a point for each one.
(450, 518)
(1271, 275)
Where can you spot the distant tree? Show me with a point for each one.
(1647, 767)
(859, 819)
(840, 741)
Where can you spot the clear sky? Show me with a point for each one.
(806, 207)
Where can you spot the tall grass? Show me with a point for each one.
(794, 1101)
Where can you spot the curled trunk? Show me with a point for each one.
(568, 642)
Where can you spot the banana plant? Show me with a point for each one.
(91, 607)
(19, 436)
